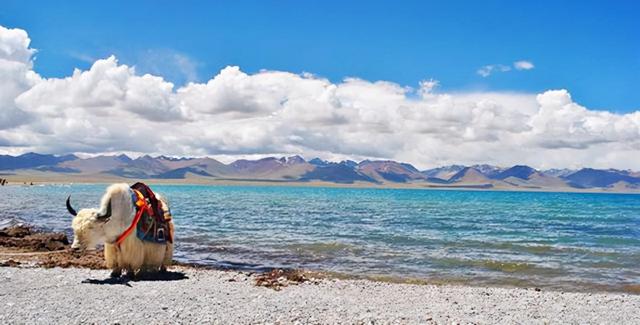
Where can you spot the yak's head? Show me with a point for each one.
(88, 227)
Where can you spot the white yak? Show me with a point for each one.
(92, 227)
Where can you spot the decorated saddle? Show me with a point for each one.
(154, 217)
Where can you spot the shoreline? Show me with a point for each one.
(35, 180)
(44, 282)
(28, 246)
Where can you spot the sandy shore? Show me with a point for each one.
(46, 296)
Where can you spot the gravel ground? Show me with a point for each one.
(59, 296)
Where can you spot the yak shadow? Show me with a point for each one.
(125, 280)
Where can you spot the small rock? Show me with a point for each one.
(10, 263)
(16, 231)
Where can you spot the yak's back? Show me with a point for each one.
(153, 225)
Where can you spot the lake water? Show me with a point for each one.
(558, 240)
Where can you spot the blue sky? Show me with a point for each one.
(546, 83)
(591, 48)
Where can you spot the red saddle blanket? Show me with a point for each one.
(155, 222)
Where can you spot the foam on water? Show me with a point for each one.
(564, 240)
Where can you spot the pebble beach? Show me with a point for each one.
(32, 295)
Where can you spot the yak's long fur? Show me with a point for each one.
(133, 255)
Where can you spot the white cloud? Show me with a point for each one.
(106, 89)
(16, 74)
(523, 65)
(487, 70)
(112, 108)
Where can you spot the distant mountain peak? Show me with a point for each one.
(336, 172)
(389, 170)
(124, 158)
(145, 158)
(517, 171)
(295, 168)
(163, 157)
(488, 170)
(589, 177)
(559, 172)
(468, 175)
(349, 163)
(318, 162)
(32, 160)
(292, 160)
(444, 172)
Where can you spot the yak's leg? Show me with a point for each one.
(168, 256)
(132, 255)
(153, 256)
(131, 274)
(111, 257)
(116, 273)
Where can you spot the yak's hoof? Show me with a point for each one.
(163, 269)
(115, 274)
(131, 275)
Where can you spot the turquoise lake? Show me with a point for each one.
(578, 241)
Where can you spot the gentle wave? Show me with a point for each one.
(563, 240)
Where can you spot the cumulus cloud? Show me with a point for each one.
(106, 89)
(112, 108)
(16, 74)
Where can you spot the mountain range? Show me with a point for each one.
(297, 169)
